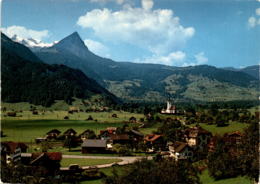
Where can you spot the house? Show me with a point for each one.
(40, 139)
(180, 150)
(132, 119)
(70, 132)
(11, 114)
(114, 116)
(53, 134)
(154, 142)
(119, 138)
(105, 134)
(233, 138)
(48, 163)
(197, 137)
(94, 145)
(11, 151)
(170, 109)
(212, 144)
(87, 134)
(74, 109)
(135, 135)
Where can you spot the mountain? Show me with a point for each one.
(250, 70)
(31, 43)
(152, 82)
(18, 49)
(24, 80)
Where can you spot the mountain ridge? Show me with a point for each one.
(148, 81)
(41, 84)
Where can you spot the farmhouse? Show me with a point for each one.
(105, 134)
(87, 134)
(233, 138)
(170, 109)
(197, 137)
(180, 150)
(94, 145)
(74, 109)
(48, 163)
(154, 142)
(52, 134)
(70, 132)
(11, 151)
(135, 135)
(119, 138)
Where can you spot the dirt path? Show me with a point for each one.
(125, 160)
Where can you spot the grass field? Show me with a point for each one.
(28, 130)
(65, 162)
(206, 179)
(104, 117)
(234, 126)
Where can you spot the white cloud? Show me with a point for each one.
(172, 59)
(147, 4)
(257, 11)
(201, 58)
(97, 47)
(252, 22)
(25, 33)
(158, 30)
(178, 58)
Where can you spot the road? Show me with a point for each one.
(125, 160)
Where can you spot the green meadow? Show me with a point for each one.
(28, 130)
(104, 117)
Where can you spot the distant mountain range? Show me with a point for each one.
(250, 70)
(154, 82)
(25, 78)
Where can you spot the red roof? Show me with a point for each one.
(152, 137)
(56, 156)
(236, 134)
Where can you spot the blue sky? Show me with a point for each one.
(173, 32)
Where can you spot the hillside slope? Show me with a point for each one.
(152, 82)
(42, 84)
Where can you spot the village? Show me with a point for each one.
(176, 139)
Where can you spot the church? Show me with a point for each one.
(171, 109)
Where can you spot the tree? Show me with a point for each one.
(250, 151)
(162, 172)
(45, 146)
(121, 149)
(234, 160)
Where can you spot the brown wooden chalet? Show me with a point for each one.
(70, 132)
(132, 119)
(48, 163)
(105, 134)
(154, 142)
(135, 135)
(94, 145)
(181, 150)
(52, 134)
(119, 138)
(233, 138)
(11, 151)
(85, 135)
(197, 137)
